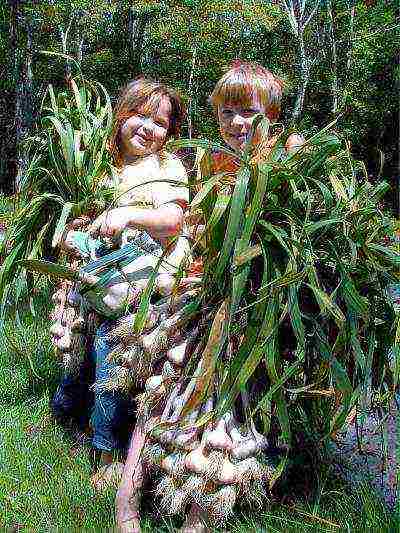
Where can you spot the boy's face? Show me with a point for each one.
(145, 132)
(235, 121)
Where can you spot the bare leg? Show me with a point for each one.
(128, 495)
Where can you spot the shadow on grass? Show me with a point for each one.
(45, 486)
(45, 476)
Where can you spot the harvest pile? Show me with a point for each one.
(286, 334)
(291, 326)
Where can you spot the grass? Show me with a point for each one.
(45, 475)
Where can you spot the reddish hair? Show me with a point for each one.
(135, 94)
(244, 80)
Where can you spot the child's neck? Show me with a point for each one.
(132, 159)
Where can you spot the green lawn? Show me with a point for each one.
(44, 475)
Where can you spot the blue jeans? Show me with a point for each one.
(111, 411)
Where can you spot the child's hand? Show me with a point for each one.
(110, 223)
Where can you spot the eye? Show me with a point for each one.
(227, 113)
(250, 112)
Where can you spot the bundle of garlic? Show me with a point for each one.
(72, 324)
(211, 466)
(161, 344)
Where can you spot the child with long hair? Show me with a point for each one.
(149, 211)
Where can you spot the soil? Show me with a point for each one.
(367, 450)
(363, 454)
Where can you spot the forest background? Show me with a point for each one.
(338, 57)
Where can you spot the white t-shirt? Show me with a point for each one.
(134, 189)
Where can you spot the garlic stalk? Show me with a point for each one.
(169, 403)
(186, 439)
(182, 400)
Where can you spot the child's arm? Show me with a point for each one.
(294, 142)
(161, 223)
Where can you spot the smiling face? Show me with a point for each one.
(145, 132)
(235, 120)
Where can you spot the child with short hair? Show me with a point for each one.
(244, 91)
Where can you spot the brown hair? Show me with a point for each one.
(242, 81)
(132, 97)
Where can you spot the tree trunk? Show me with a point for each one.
(335, 82)
(304, 78)
(23, 105)
(136, 28)
(21, 53)
(351, 33)
(190, 92)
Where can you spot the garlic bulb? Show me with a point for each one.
(64, 342)
(174, 464)
(154, 343)
(218, 437)
(164, 284)
(196, 461)
(154, 385)
(57, 330)
(243, 446)
(177, 354)
(59, 296)
(229, 473)
(169, 371)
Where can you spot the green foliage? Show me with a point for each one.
(46, 486)
(26, 353)
(303, 336)
(45, 479)
(66, 177)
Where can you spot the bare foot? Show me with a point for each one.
(108, 475)
(194, 522)
(127, 513)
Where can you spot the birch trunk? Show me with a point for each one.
(304, 79)
(351, 33)
(190, 91)
(136, 30)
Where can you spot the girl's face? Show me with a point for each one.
(235, 121)
(145, 132)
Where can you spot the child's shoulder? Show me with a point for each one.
(172, 164)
